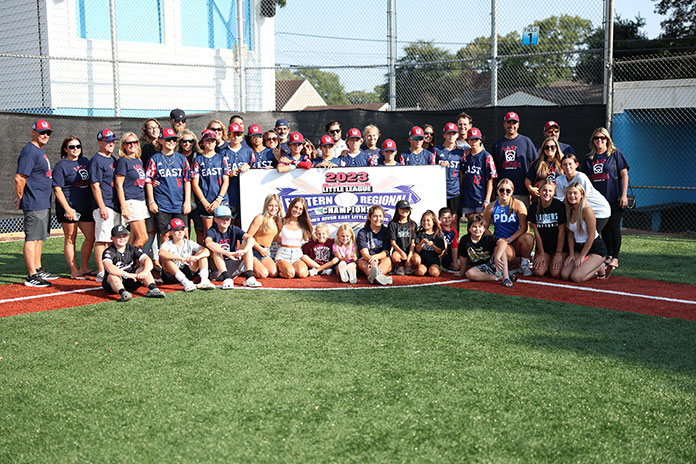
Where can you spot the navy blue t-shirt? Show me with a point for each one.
(604, 175)
(172, 171)
(265, 159)
(417, 159)
(512, 159)
(243, 155)
(227, 240)
(72, 177)
(476, 170)
(33, 163)
(134, 178)
(102, 169)
(360, 160)
(374, 242)
(453, 157)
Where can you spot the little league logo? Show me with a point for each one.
(598, 168)
(510, 154)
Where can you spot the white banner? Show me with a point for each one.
(344, 195)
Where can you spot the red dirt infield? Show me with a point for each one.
(663, 299)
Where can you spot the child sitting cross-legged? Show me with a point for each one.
(318, 254)
(183, 259)
(127, 267)
(482, 256)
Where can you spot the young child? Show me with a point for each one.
(318, 253)
(346, 251)
(326, 146)
(127, 267)
(482, 256)
(449, 230)
(221, 240)
(417, 155)
(183, 259)
(354, 157)
(430, 245)
(402, 234)
(388, 155)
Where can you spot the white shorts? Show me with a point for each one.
(288, 254)
(102, 227)
(138, 210)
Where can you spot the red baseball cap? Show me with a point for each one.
(474, 133)
(176, 224)
(295, 137)
(326, 140)
(512, 116)
(416, 131)
(234, 127)
(255, 129)
(168, 133)
(354, 133)
(41, 125)
(207, 135)
(106, 135)
(450, 127)
(551, 124)
(389, 145)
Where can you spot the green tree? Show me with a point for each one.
(362, 96)
(681, 23)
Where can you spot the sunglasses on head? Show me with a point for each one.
(504, 190)
(73, 147)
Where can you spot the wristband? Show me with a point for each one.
(124, 275)
(219, 197)
(150, 202)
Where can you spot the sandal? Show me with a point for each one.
(78, 277)
(89, 274)
(507, 283)
(514, 276)
(609, 269)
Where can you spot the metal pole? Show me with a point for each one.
(391, 13)
(114, 59)
(609, 64)
(494, 53)
(240, 59)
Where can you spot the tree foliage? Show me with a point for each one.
(681, 22)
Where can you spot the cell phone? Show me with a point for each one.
(77, 216)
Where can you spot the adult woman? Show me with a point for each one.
(371, 133)
(546, 166)
(210, 181)
(509, 218)
(428, 137)
(548, 219)
(189, 147)
(220, 134)
(74, 205)
(264, 229)
(586, 251)
(296, 229)
(608, 172)
(595, 200)
(149, 139)
(374, 245)
(130, 188)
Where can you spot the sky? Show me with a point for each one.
(355, 33)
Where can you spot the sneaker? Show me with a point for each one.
(45, 275)
(189, 286)
(526, 269)
(99, 277)
(400, 270)
(252, 282)
(228, 284)
(383, 279)
(352, 274)
(154, 293)
(343, 271)
(313, 272)
(327, 272)
(206, 285)
(126, 296)
(36, 281)
(373, 274)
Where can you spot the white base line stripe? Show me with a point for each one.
(24, 298)
(611, 292)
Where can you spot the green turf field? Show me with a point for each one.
(422, 374)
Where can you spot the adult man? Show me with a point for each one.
(333, 128)
(464, 123)
(32, 184)
(177, 120)
(513, 153)
(101, 175)
(552, 129)
(282, 128)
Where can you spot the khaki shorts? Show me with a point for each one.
(102, 227)
(138, 210)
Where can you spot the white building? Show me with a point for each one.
(172, 53)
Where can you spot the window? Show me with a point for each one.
(135, 21)
(213, 23)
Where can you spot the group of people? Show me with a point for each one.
(161, 182)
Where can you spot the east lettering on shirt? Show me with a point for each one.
(134, 178)
(265, 159)
(475, 171)
(72, 177)
(512, 160)
(172, 172)
(34, 164)
(227, 240)
(454, 158)
(210, 172)
(102, 170)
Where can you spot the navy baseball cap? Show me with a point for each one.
(177, 115)
(282, 123)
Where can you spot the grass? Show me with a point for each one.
(428, 374)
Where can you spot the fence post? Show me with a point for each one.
(609, 63)
(494, 53)
(240, 58)
(114, 59)
(391, 13)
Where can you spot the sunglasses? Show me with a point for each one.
(130, 143)
(428, 133)
(550, 147)
(417, 138)
(271, 139)
(334, 131)
(177, 121)
(46, 132)
(555, 131)
(187, 141)
(74, 147)
(170, 140)
(503, 190)
(599, 137)
(216, 129)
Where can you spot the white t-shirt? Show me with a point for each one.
(595, 200)
(186, 249)
(339, 148)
